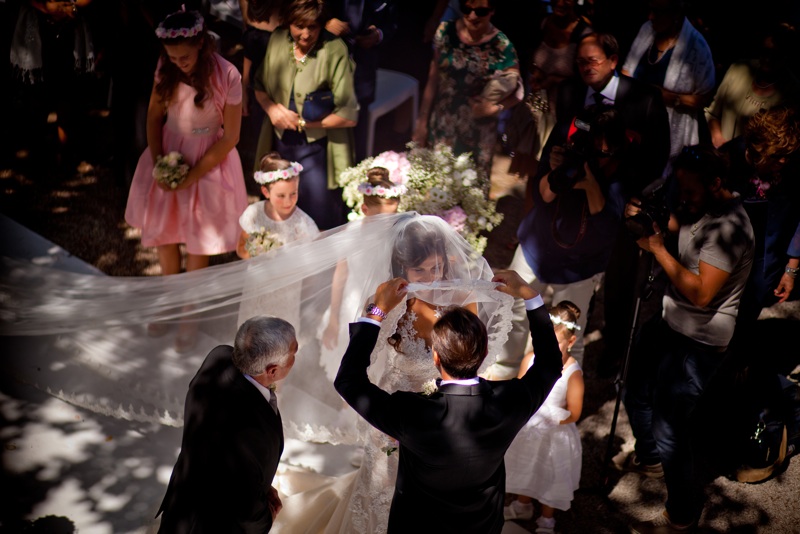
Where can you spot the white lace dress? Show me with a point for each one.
(299, 227)
(544, 460)
(358, 503)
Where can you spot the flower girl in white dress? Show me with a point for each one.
(544, 460)
(381, 195)
(269, 224)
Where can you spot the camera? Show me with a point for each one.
(654, 209)
(576, 153)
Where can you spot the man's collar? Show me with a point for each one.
(470, 387)
(609, 90)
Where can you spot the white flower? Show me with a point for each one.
(470, 175)
(462, 161)
(429, 388)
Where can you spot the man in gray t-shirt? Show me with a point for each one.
(675, 358)
(722, 240)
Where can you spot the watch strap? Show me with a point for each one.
(372, 309)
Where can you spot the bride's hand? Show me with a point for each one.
(513, 284)
(330, 336)
(390, 294)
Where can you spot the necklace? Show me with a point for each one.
(301, 60)
(659, 53)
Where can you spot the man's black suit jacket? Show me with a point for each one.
(642, 111)
(232, 442)
(451, 476)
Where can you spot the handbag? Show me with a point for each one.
(502, 84)
(318, 105)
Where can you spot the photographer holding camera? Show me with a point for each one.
(677, 354)
(566, 239)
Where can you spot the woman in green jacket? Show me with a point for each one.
(303, 59)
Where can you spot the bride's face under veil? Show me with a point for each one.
(430, 270)
(83, 338)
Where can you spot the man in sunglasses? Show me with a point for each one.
(678, 353)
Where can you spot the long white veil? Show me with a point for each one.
(83, 338)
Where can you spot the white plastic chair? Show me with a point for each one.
(392, 89)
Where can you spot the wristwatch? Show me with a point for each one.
(372, 309)
(792, 271)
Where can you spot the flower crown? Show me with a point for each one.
(369, 190)
(267, 177)
(174, 33)
(569, 324)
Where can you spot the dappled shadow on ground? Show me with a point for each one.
(104, 471)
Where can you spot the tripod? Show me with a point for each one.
(645, 277)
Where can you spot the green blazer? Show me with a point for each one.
(328, 66)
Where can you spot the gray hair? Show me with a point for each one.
(260, 342)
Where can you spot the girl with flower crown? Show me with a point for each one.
(195, 109)
(381, 195)
(272, 223)
(544, 460)
(278, 214)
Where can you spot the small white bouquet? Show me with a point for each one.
(261, 241)
(171, 169)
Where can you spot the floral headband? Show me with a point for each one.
(273, 176)
(174, 33)
(369, 190)
(569, 324)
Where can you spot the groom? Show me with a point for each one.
(451, 476)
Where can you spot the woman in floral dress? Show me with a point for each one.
(467, 53)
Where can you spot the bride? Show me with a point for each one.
(84, 340)
(442, 270)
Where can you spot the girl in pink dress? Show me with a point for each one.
(195, 109)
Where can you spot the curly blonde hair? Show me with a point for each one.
(773, 133)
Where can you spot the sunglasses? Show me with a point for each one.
(479, 11)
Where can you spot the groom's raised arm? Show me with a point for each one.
(546, 368)
(352, 381)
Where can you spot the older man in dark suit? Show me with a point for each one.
(232, 436)
(451, 476)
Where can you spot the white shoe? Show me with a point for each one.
(518, 510)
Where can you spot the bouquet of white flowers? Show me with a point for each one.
(441, 183)
(261, 241)
(437, 183)
(171, 169)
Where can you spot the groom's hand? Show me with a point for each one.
(390, 294)
(513, 284)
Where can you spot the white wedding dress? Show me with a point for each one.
(84, 340)
(359, 502)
